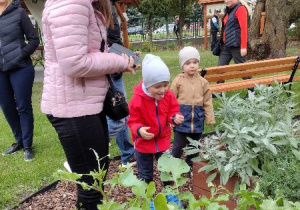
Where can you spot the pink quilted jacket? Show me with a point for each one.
(74, 82)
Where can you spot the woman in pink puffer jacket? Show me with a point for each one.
(75, 84)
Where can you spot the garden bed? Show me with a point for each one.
(62, 195)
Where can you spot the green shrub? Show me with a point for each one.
(147, 47)
(281, 177)
(170, 46)
(294, 33)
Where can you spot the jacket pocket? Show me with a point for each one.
(199, 119)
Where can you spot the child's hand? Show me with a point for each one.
(145, 134)
(178, 119)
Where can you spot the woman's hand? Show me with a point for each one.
(144, 134)
(130, 67)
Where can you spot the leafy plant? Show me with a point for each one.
(254, 132)
(281, 177)
(171, 170)
(249, 198)
(279, 204)
(254, 199)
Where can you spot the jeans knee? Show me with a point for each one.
(25, 109)
(114, 127)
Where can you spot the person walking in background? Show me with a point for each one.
(119, 129)
(17, 74)
(176, 26)
(152, 110)
(194, 97)
(75, 84)
(235, 34)
(214, 28)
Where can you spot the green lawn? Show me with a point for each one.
(19, 179)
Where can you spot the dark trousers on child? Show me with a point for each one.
(181, 141)
(145, 165)
(15, 102)
(78, 136)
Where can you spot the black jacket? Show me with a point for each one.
(14, 25)
(232, 28)
(114, 36)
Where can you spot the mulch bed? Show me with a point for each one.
(63, 195)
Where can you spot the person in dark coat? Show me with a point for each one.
(119, 129)
(214, 28)
(17, 74)
(176, 26)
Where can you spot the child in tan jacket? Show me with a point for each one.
(195, 99)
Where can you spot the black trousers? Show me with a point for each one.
(145, 165)
(176, 31)
(227, 54)
(181, 141)
(78, 136)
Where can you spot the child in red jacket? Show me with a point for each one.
(153, 110)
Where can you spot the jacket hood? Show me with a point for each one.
(138, 90)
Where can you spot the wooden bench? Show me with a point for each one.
(288, 66)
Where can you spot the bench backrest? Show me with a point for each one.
(214, 74)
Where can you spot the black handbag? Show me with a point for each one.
(217, 49)
(115, 105)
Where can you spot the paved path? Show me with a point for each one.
(39, 74)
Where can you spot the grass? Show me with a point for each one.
(19, 179)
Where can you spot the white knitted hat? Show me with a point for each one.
(187, 53)
(154, 70)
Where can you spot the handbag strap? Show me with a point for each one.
(102, 47)
(110, 81)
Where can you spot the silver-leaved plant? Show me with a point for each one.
(253, 130)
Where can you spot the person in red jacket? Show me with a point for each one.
(235, 35)
(153, 110)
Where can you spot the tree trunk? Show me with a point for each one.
(272, 43)
(181, 21)
(279, 15)
(150, 26)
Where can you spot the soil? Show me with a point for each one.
(63, 195)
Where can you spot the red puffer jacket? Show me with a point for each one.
(145, 113)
